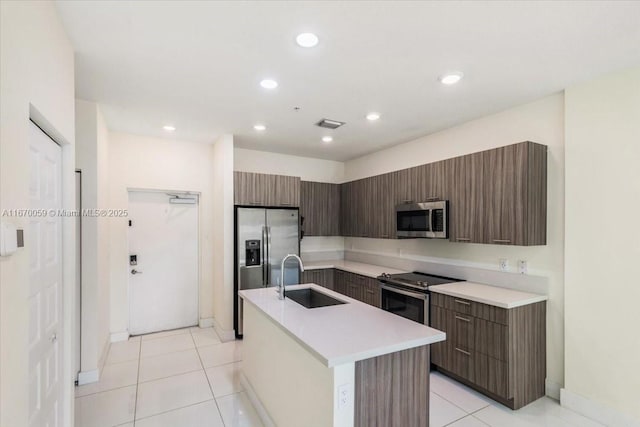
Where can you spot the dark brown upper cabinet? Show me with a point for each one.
(266, 190)
(320, 207)
(515, 195)
(466, 207)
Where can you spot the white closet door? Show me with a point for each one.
(44, 244)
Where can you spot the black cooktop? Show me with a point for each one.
(416, 279)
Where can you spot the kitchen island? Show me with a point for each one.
(341, 365)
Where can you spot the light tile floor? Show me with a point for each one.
(189, 378)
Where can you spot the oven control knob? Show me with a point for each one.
(386, 275)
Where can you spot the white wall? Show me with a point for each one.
(37, 81)
(92, 145)
(602, 288)
(137, 162)
(223, 155)
(540, 121)
(306, 168)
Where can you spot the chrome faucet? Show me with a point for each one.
(281, 284)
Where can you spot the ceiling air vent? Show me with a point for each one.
(329, 124)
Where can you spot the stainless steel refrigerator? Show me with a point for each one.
(263, 237)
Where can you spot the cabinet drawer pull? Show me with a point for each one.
(463, 239)
(501, 241)
(463, 319)
(463, 352)
(462, 302)
(370, 291)
(285, 203)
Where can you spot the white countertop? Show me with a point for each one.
(368, 270)
(344, 333)
(492, 295)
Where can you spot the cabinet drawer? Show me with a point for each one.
(462, 362)
(472, 308)
(491, 339)
(492, 375)
(463, 332)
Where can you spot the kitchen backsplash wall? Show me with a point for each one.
(319, 248)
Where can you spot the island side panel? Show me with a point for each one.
(393, 390)
(294, 387)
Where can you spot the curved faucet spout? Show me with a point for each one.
(281, 284)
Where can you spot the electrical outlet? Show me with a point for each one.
(343, 395)
(503, 264)
(523, 266)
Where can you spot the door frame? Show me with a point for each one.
(68, 188)
(199, 243)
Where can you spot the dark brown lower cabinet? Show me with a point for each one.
(356, 286)
(499, 352)
(323, 277)
(392, 390)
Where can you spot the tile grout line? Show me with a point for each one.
(173, 410)
(135, 406)
(208, 381)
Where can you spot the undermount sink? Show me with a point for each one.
(310, 298)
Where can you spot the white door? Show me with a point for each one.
(44, 242)
(163, 286)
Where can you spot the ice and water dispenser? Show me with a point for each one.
(252, 252)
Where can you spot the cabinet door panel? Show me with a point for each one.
(466, 202)
(320, 207)
(504, 194)
(286, 191)
(441, 352)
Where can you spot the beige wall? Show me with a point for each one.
(92, 159)
(137, 162)
(222, 261)
(540, 121)
(37, 81)
(602, 288)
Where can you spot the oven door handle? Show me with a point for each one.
(423, 296)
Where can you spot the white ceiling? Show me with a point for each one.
(197, 65)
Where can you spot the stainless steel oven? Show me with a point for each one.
(423, 220)
(412, 305)
(407, 294)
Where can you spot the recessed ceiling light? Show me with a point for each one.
(259, 127)
(373, 116)
(307, 40)
(451, 78)
(169, 128)
(269, 84)
(327, 139)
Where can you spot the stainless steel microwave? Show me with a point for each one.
(423, 220)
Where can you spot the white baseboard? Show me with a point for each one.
(596, 411)
(87, 377)
(206, 322)
(257, 404)
(119, 336)
(552, 389)
(224, 334)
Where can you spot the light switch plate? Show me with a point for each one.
(344, 392)
(8, 239)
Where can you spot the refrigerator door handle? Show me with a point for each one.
(264, 256)
(268, 263)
